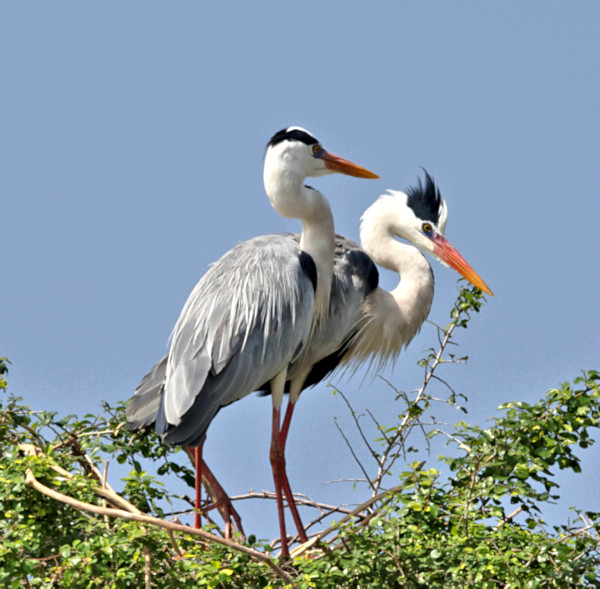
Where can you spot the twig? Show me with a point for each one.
(174, 543)
(354, 454)
(378, 425)
(454, 439)
(509, 517)
(445, 383)
(392, 386)
(34, 434)
(299, 500)
(362, 507)
(357, 422)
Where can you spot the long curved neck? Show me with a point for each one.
(290, 198)
(414, 293)
(390, 320)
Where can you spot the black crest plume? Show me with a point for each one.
(425, 199)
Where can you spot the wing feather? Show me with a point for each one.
(143, 406)
(241, 325)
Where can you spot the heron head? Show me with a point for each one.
(419, 216)
(299, 152)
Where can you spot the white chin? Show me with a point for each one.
(322, 172)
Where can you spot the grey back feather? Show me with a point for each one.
(243, 323)
(355, 276)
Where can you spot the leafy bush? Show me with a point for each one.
(63, 525)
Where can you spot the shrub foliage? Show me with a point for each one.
(477, 519)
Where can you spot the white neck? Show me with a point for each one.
(390, 320)
(414, 293)
(290, 198)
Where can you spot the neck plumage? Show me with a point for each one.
(390, 320)
(292, 199)
(318, 240)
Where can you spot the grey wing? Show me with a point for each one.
(245, 321)
(142, 408)
(354, 277)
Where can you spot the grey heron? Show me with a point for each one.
(252, 314)
(376, 325)
(364, 323)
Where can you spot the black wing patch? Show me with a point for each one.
(309, 267)
(365, 267)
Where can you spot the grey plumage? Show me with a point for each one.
(251, 315)
(254, 304)
(142, 408)
(355, 276)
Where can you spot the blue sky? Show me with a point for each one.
(131, 158)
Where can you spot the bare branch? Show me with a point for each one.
(454, 439)
(353, 453)
(349, 480)
(362, 507)
(509, 517)
(299, 500)
(358, 426)
(377, 425)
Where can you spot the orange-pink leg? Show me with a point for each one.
(198, 461)
(282, 485)
(277, 464)
(222, 502)
(286, 423)
(215, 491)
(288, 492)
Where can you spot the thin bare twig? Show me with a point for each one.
(378, 426)
(31, 431)
(354, 454)
(358, 426)
(298, 498)
(454, 439)
(362, 507)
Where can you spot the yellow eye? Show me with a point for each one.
(427, 228)
(316, 149)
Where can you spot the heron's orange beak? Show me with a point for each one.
(446, 251)
(339, 164)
